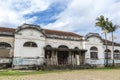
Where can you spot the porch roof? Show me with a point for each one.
(62, 49)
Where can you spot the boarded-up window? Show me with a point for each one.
(30, 44)
(94, 53)
(4, 53)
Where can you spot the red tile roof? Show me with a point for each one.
(47, 31)
(110, 42)
(4, 29)
(61, 33)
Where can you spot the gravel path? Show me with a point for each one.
(71, 75)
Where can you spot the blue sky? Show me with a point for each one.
(68, 15)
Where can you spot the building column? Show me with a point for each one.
(83, 58)
(72, 58)
(56, 58)
(69, 57)
(52, 57)
(78, 59)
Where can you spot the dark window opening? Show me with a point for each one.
(47, 54)
(63, 47)
(116, 56)
(107, 50)
(93, 53)
(4, 44)
(107, 54)
(48, 47)
(30, 44)
(76, 53)
(94, 48)
(116, 51)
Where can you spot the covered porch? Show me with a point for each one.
(64, 56)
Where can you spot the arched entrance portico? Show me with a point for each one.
(62, 55)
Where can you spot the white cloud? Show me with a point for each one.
(12, 11)
(80, 15)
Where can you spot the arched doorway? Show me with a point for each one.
(48, 54)
(63, 54)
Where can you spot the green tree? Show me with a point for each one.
(111, 29)
(102, 23)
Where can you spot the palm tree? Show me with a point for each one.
(102, 23)
(112, 28)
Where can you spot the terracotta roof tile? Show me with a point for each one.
(110, 42)
(61, 33)
(47, 31)
(4, 29)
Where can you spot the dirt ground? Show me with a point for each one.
(70, 75)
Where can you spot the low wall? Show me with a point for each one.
(27, 61)
(5, 60)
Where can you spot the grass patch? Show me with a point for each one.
(32, 72)
(106, 68)
(19, 73)
(25, 72)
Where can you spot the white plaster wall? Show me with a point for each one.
(55, 43)
(22, 52)
(31, 34)
(94, 42)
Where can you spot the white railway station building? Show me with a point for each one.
(32, 45)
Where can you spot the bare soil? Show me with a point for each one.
(113, 74)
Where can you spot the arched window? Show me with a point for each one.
(48, 47)
(116, 54)
(116, 51)
(63, 47)
(94, 53)
(4, 44)
(107, 54)
(76, 48)
(107, 50)
(30, 44)
(94, 49)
